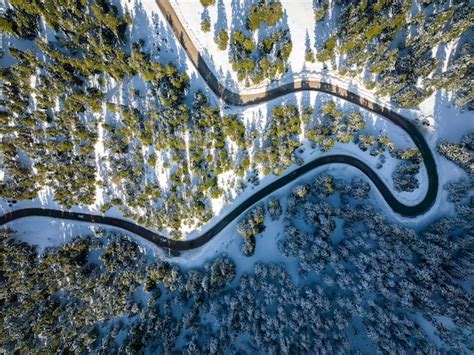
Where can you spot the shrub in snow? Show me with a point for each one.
(205, 25)
(301, 190)
(222, 272)
(245, 229)
(404, 177)
(459, 190)
(292, 242)
(323, 185)
(462, 153)
(366, 141)
(466, 211)
(222, 39)
(274, 208)
(194, 281)
(247, 247)
(359, 189)
(468, 141)
(252, 223)
(412, 154)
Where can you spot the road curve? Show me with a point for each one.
(174, 247)
(233, 98)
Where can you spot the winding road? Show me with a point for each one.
(174, 247)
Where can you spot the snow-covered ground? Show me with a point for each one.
(45, 232)
(298, 15)
(258, 117)
(230, 15)
(447, 121)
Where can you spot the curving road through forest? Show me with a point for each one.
(174, 247)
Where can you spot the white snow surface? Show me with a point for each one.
(447, 123)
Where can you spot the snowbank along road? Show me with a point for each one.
(174, 247)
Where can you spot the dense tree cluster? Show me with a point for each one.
(386, 274)
(214, 146)
(55, 111)
(50, 124)
(461, 153)
(328, 126)
(267, 60)
(281, 140)
(70, 296)
(334, 125)
(274, 208)
(320, 8)
(459, 190)
(267, 12)
(391, 44)
(20, 22)
(404, 177)
(251, 225)
(367, 285)
(206, 3)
